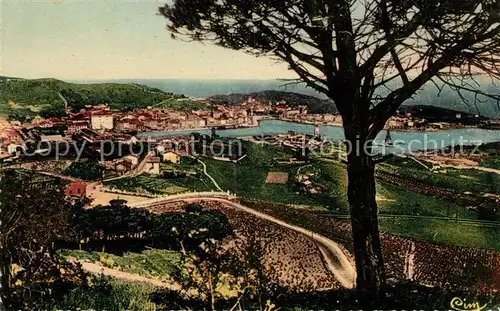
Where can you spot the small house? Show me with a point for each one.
(76, 190)
(14, 148)
(172, 157)
(154, 163)
(132, 159)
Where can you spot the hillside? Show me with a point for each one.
(314, 104)
(448, 98)
(439, 114)
(436, 111)
(32, 96)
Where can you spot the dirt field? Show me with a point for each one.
(96, 192)
(293, 259)
(460, 162)
(277, 178)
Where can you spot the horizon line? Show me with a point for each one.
(284, 80)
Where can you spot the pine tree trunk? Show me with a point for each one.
(4, 279)
(364, 220)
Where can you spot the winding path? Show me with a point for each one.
(125, 276)
(335, 259)
(208, 175)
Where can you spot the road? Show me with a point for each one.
(465, 166)
(335, 258)
(208, 175)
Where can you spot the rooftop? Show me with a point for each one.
(76, 189)
(153, 160)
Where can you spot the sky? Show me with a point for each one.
(112, 39)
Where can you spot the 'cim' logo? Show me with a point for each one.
(461, 305)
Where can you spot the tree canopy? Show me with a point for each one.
(34, 215)
(385, 50)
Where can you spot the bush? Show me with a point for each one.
(193, 208)
(85, 170)
(488, 212)
(104, 293)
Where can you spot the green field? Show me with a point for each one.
(390, 199)
(249, 181)
(146, 183)
(248, 178)
(460, 180)
(333, 178)
(396, 201)
(491, 162)
(443, 231)
(195, 180)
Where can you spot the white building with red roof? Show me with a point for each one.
(102, 120)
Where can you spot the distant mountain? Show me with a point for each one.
(203, 88)
(36, 94)
(429, 95)
(315, 105)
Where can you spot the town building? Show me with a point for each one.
(133, 159)
(52, 138)
(76, 125)
(102, 120)
(46, 124)
(172, 157)
(154, 163)
(14, 148)
(128, 123)
(123, 166)
(76, 190)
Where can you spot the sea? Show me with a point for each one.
(202, 88)
(406, 141)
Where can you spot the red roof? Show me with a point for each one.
(153, 160)
(77, 189)
(101, 113)
(79, 122)
(45, 122)
(126, 162)
(144, 115)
